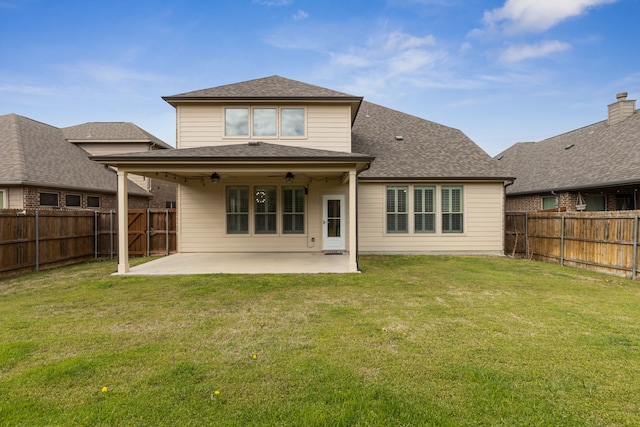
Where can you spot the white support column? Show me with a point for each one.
(123, 223)
(353, 228)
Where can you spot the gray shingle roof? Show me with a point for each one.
(426, 150)
(109, 131)
(253, 151)
(39, 155)
(273, 87)
(597, 155)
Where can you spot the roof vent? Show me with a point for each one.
(399, 137)
(569, 146)
(254, 143)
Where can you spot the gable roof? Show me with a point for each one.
(407, 147)
(111, 132)
(37, 154)
(273, 88)
(595, 156)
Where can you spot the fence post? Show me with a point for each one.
(148, 232)
(166, 227)
(526, 234)
(95, 234)
(111, 233)
(635, 248)
(37, 243)
(562, 242)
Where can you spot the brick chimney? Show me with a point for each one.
(621, 109)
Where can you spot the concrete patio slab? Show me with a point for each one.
(242, 263)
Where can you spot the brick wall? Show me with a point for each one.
(569, 200)
(107, 201)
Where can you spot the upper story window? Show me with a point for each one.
(269, 122)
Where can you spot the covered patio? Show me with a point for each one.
(243, 263)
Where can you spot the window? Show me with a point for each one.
(93, 201)
(49, 199)
(292, 122)
(263, 122)
(236, 122)
(238, 210)
(625, 202)
(265, 207)
(548, 202)
(452, 218)
(293, 210)
(2, 202)
(170, 205)
(596, 203)
(73, 200)
(397, 215)
(424, 209)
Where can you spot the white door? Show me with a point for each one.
(333, 223)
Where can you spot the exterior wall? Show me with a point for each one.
(163, 192)
(483, 223)
(568, 200)
(12, 198)
(328, 128)
(201, 222)
(31, 200)
(104, 148)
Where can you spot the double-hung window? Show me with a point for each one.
(452, 215)
(424, 206)
(397, 214)
(293, 210)
(238, 209)
(265, 209)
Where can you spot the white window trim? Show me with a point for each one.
(438, 211)
(48, 192)
(4, 196)
(278, 135)
(252, 212)
(72, 207)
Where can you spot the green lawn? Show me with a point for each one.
(442, 341)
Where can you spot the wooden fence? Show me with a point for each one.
(40, 239)
(600, 241)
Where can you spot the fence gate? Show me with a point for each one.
(137, 232)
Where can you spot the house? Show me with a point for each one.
(40, 169)
(100, 138)
(593, 168)
(278, 165)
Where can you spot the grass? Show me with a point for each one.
(441, 341)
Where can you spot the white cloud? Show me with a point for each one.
(398, 41)
(517, 53)
(300, 15)
(519, 16)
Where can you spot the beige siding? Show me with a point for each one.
(14, 198)
(328, 128)
(202, 226)
(483, 223)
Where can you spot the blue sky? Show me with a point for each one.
(501, 71)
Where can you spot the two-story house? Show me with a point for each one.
(277, 165)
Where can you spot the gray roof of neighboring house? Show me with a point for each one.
(273, 87)
(111, 131)
(37, 154)
(595, 156)
(425, 150)
(247, 151)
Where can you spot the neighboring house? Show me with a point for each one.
(277, 165)
(39, 169)
(101, 138)
(594, 168)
